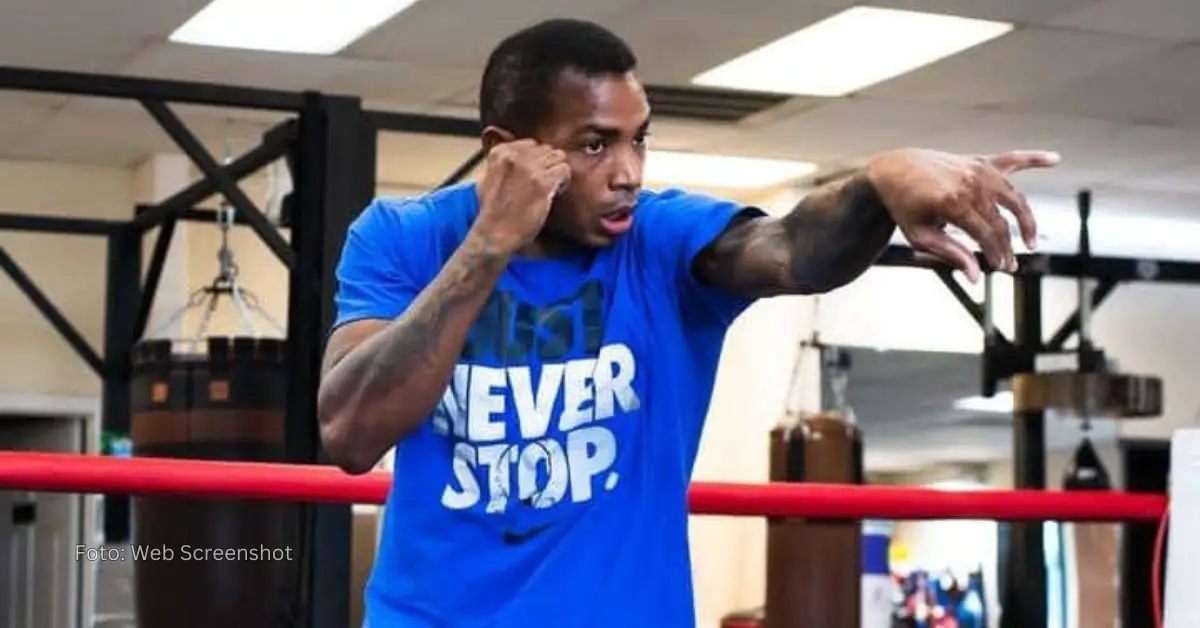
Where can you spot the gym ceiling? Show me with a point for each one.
(1109, 83)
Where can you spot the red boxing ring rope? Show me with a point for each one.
(75, 473)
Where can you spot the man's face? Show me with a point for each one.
(601, 123)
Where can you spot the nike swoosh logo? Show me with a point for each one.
(516, 538)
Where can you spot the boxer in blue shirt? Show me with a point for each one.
(540, 347)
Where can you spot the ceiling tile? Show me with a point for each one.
(1094, 151)
(120, 133)
(1158, 88)
(660, 31)
(83, 35)
(403, 84)
(108, 19)
(88, 53)
(853, 128)
(1169, 20)
(996, 132)
(1001, 132)
(240, 67)
(434, 31)
(1015, 67)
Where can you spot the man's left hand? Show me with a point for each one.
(925, 191)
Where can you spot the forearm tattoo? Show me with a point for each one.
(407, 364)
(834, 235)
(829, 238)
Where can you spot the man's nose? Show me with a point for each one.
(627, 172)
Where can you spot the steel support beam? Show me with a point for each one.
(1024, 600)
(195, 214)
(226, 185)
(127, 87)
(154, 271)
(335, 180)
(1119, 269)
(60, 225)
(274, 145)
(122, 299)
(1070, 327)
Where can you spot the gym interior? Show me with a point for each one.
(159, 191)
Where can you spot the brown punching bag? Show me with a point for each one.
(814, 568)
(220, 563)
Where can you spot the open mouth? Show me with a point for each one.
(617, 222)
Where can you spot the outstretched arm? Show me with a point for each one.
(836, 233)
(830, 238)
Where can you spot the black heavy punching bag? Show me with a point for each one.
(223, 563)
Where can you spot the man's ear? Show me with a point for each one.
(494, 135)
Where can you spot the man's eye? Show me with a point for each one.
(594, 148)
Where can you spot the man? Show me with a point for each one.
(540, 348)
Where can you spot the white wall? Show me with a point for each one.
(69, 269)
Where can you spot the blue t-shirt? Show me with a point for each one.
(549, 486)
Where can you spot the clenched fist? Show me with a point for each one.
(925, 191)
(518, 186)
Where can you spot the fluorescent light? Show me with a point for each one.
(844, 53)
(1000, 402)
(295, 26)
(722, 171)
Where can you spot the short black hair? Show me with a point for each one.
(523, 69)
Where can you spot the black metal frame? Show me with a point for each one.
(330, 145)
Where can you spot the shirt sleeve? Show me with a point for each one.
(678, 225)
(375, 278)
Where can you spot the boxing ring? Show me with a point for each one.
(138, 476)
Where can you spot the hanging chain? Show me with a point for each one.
(226, 283)
(839, 378)
(228, 270)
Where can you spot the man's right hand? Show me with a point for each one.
(519, 184)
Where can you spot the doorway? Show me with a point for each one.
(42, 584)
